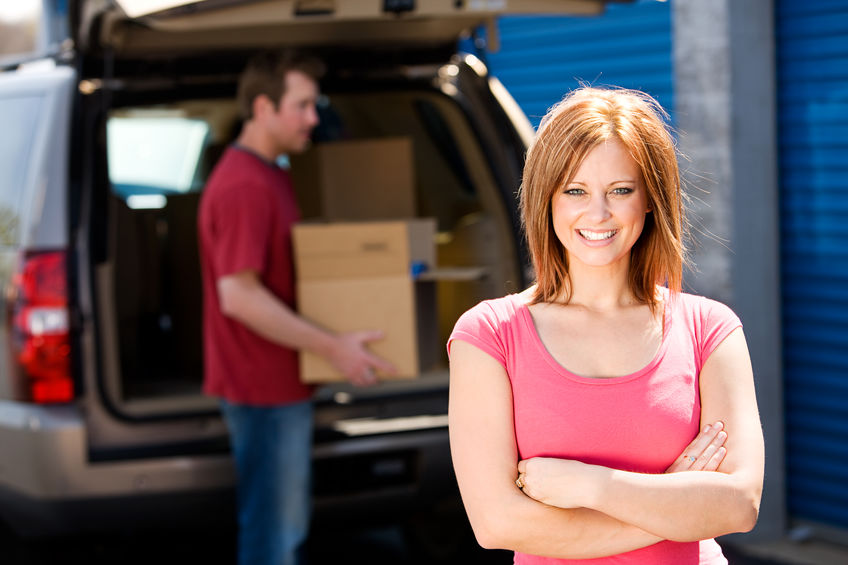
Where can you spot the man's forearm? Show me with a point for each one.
(263, 313)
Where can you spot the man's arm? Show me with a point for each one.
(244, 298)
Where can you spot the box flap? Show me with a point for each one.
(342, 250)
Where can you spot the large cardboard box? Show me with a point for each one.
(366, 179)
(355, 276)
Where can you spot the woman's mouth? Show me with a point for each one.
(597, 235)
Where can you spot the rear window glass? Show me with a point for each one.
(19, 117)
(19, 21)
(151, 156)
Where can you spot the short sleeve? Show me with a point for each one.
(479, 327)
(717, 321)
(242, 223)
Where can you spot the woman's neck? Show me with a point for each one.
(601, 288)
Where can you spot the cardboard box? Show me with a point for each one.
(357, 276)
(368, 179)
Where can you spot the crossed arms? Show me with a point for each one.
(573, 510)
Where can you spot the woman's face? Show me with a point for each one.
(599, 215)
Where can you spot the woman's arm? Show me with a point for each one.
(679, 506)
(485, 457)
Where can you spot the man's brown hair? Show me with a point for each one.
(584, 119)
(265, 73)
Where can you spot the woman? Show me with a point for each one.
(576, 404)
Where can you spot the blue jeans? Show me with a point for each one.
(272, 448)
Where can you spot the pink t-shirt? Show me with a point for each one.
(639, 422)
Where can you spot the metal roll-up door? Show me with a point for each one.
(812, 44)
(543, 57)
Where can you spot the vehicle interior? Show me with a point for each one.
(159, 156)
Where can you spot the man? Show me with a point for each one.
(251, 332)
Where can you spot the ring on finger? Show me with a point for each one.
(519, 482)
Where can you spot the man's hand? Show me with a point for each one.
(351, 357)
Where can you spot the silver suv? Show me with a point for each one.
(108, 133)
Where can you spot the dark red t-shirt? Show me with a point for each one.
(244, 223)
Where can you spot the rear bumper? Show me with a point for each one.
(382, 478)
(48, 486)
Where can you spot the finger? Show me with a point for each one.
(369, 335)
(716, 459)
(690, 455)
(703, 439)
(368, 376)
(382, 365)
(522, 466)
(364, 377)
(693, 461)
(519, 482)
(700, 463)
(695, 448)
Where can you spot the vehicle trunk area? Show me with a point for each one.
(159, 157)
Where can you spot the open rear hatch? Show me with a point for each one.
(147, 26)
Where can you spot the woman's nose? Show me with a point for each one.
(598, 207)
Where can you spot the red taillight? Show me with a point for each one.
(40, 328)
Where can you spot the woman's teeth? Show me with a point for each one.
(597, 236)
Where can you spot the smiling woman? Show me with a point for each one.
(600, 213)
(577, 405)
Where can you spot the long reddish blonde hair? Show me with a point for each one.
(585, 118)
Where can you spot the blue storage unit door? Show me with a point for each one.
(543, 57)
(812, 44)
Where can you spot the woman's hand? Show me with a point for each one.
(705, 453)
(566, 483)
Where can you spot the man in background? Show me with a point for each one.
(251, 331)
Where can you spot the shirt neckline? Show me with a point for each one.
(238, 147)
(530, 328)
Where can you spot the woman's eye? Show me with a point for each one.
(622, 190)
(574, 191)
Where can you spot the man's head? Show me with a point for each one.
(277, 93)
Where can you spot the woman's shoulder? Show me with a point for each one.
(502, 308)
(494, 313)
(699, 307)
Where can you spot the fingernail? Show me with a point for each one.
(719, 425)
(707, 428)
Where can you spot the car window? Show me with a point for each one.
(151, 156)
(19, 20)
(19, 117)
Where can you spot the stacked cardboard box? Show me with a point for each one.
(364, 179)
(355, 276)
